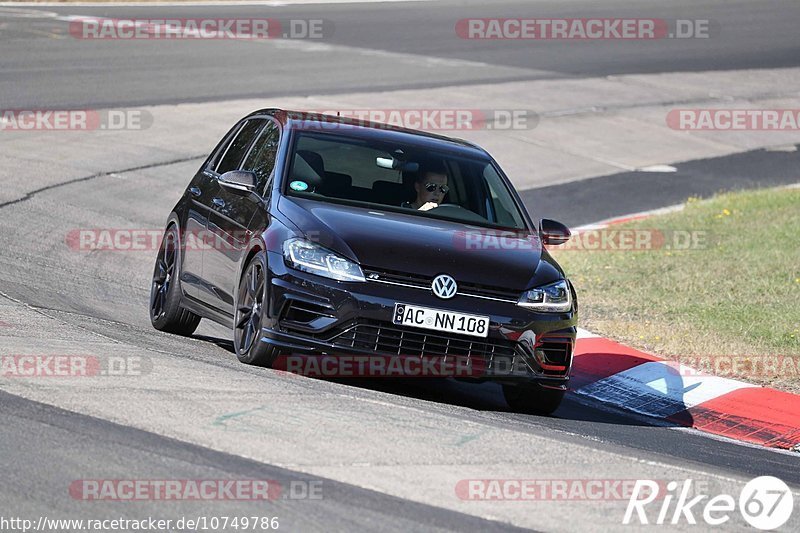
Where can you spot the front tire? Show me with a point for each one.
(251, 299)
(532, 399)
(166, 313)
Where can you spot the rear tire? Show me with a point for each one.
(248, 317)
(532, 399)
(166, 313)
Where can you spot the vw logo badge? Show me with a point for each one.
(444, 286)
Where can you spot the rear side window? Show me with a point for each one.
(233, 155)
(261, 159)
(222, 147)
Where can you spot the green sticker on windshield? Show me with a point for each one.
(298, 185)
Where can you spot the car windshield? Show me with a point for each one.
(402, 178)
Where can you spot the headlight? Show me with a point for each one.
(309, 257)
(553, 298)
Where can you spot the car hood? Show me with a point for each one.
(411, 244)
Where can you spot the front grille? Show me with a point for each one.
(424, 282)
(306, 317)
(387, 276)
(482, 355)
(304, 312)
(554, 356)
(555, 353)
(471, 289)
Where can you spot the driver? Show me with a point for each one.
(430, 186)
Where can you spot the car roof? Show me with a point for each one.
(318, 122)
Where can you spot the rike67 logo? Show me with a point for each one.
(765, 503)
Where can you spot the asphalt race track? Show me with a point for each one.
(38, 51)
(386, 454)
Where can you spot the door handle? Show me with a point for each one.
(219, 202)
(195, 191)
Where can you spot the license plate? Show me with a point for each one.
(439, 320)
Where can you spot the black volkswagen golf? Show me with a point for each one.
(315, 235)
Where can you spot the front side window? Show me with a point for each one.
(236, 150)
(401, 177)
(261, 159)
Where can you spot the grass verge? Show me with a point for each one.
(720, 289)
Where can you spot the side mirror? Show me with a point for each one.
(553, 232)
(240, 180)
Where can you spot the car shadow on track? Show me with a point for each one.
(225, 344)
(486, 396)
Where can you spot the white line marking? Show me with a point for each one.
(660, 388)
(658, 168)
(784, 148)
(586, 334)
(310, 46)
(615, 409)
(641, 214)
(25, 13)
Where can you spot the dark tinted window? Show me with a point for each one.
(223, 146)
(236, 150)
(261, 159)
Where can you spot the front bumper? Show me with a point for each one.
(309, 314)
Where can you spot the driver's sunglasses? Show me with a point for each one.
(430, 187)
